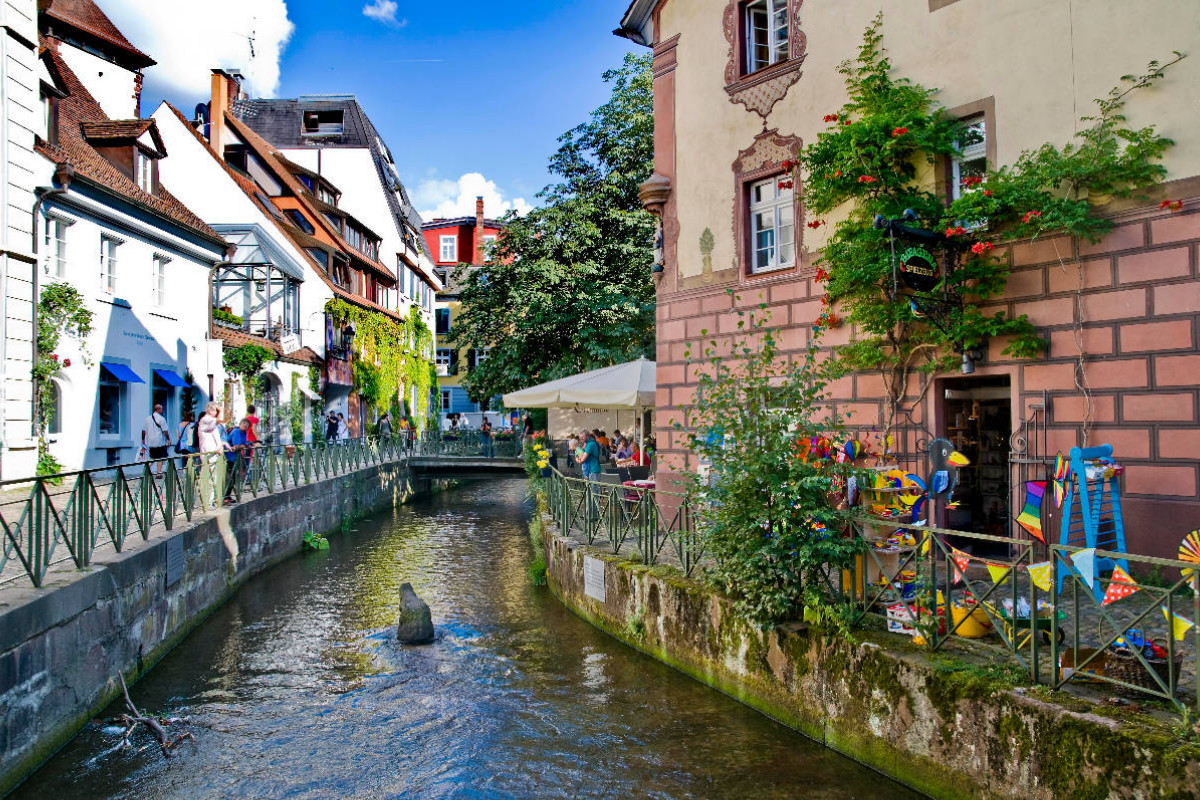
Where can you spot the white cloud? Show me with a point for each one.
(191, 38)
(384, 11)
(442, 198)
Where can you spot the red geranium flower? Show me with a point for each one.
(821, 275)
(786, 184)
(952, 232)
(54, 357)
(837, 174)
(66, 362)
(979, 248)
(846, 122)
(831, 118)
(972, 180)
(787, 166)
(899, 131)
(1030, 215)
(866, 179)
(987, 192)
(1174, 205)
(816, 223)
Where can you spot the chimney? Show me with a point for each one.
(478, 259)
(226, 87)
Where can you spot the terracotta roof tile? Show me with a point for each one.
(75, 111)
(87, 17)
(115, 128)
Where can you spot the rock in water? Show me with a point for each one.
(416, 624)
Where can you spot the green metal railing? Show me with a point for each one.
(81, 511)
(1073, 622)
(924, 582)
(648, 519)
(467, 444)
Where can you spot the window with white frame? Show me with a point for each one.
(56, 246)
(489, 245)
(445, 400)
(443, 361)
(158, 280)
(968, 169)
(449, 248)
(765, 23)
(143, 169)
(772, 226)
(54, 408)
(108, 264)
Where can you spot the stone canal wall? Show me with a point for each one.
(62, 646)
(941, 727)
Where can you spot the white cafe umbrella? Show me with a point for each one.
(630, 385)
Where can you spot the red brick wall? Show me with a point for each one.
(1134, 299)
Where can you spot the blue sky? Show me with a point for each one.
(470, 96)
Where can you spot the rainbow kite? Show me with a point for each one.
(1031, 515)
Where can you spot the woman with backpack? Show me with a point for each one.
(185, 438)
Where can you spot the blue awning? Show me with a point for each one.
(121, 372)
(171, 378)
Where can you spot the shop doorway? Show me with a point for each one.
(977, 419)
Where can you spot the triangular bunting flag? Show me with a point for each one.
(1179, 625)
(1040, 575)
(960, 558)
(1121, 586)
(1085, 565)
(997, 572)
(1031, 515)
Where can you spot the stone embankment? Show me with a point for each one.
(61, 646)
(943, 727)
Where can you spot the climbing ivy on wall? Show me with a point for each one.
(61, 310)
(391, 355)
(878, 157)
(246, 362)
(318, 405)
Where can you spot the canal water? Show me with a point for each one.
(296, 689)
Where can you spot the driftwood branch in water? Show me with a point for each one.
(157, 727)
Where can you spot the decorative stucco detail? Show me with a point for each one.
(770, 149)
(760, 91)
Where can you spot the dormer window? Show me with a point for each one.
(324, 123)
(765, 23)
(143, 171)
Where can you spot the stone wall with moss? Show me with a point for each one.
(940, 726)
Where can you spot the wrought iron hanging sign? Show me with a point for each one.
(919, 269)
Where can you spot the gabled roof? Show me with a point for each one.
(121, 131)
(267, 207)
(279, 122)
(269, 156)
(85, 18)
(459, 222)
(75, 110)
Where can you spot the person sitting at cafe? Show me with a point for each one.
(636, 457)
(622, 449)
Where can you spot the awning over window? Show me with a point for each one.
(309, 393)
(171, 378)
(121, 372)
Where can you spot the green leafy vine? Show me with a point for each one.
(61, 310)
(879, 156)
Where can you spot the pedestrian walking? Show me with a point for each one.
(156, 440)
(185, 438)
(343, 430)
(485, 439)
(237, 451)
(252, 418)
(211, 444)
(385, 426)
(331, 427)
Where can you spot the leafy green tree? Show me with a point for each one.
(570, 287)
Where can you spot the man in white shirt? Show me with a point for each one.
(155, 438)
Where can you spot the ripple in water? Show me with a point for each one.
(297, 689)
